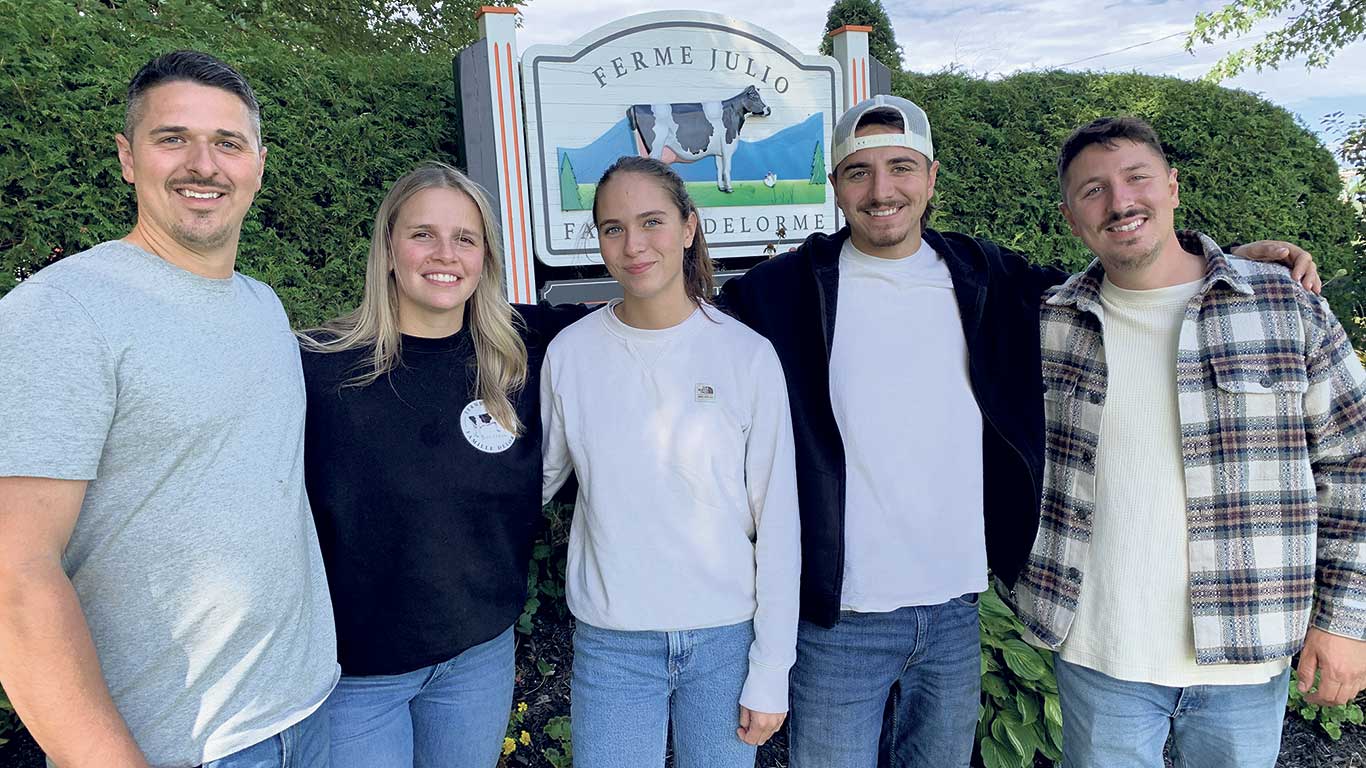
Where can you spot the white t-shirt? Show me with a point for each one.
(1133, 619)
(913, 531)
(687, 508)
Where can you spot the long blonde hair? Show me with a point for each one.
(499, 353)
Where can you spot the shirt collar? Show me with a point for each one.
(1082, 290)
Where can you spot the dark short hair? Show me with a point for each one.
(698, 282)
(1106, 131)
(193, 67)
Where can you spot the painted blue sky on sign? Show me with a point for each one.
(787, 154)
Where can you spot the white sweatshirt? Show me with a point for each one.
(687, 509)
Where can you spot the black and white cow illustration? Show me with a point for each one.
(691, 131)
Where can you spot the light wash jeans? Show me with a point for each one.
(889, 690)
(628, 687)
(302, 745)
(1108, 722)
(449, 715)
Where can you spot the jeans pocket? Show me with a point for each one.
(967, 598)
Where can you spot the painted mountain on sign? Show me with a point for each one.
(781, 168)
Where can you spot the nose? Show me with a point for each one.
(882, 186)
(1120, 197)
(635, 241)
(199, 159)
(445, 250)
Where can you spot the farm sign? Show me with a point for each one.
(742, 116)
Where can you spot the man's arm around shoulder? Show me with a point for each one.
(48, 664)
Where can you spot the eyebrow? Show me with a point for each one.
(221, 132)
(907, 159)
(641, 215)
(459, 231)
(1125, 169)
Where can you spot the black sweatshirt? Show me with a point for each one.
(426, 515)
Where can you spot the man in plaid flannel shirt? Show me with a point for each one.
(1204, 505)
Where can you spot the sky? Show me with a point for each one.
(1000, 37)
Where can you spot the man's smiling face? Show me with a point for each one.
(196, 160)
(883, 192)
(1120, 199)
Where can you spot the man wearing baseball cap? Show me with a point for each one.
(912, 365)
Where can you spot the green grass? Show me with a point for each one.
(706, 195)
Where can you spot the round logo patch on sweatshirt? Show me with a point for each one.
(483, 431)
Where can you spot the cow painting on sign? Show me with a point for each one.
(688, 132)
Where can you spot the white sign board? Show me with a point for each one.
(741, 115)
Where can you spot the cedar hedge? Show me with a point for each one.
(338, 129)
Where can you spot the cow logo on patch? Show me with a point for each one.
(483, 431)
(704, 393)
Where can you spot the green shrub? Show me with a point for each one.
(545, 576)
(9, 722)
(1329, 719)
(1019, 719)
(338, 128)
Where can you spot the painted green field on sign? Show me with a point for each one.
(706, 195)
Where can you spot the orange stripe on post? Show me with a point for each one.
(863, 63)
(503, 134)
(848, 28)
(517, 155)
(853, 74)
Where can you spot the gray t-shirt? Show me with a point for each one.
(181, 399)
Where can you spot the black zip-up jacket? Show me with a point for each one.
(792, 299)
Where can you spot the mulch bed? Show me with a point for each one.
(1304, 745)
(21, 752)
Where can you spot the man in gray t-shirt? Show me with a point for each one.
(162, 597)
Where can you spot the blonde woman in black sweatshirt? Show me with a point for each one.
(423, 465)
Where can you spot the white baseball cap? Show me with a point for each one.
(915, 136)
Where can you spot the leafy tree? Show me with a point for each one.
(881, 41)
(1317, 30)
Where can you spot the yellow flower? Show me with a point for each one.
(525, 738)
(509, 746)
(521, 707)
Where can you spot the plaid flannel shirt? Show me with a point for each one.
(1272, 403)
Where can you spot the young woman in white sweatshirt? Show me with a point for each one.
(684, 553)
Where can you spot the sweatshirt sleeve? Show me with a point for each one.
(555, 460)
(771, 484)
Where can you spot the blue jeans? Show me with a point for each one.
(629, 686)
(449, 715)
(302, 745)
(894, 690)
(1108, 722)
